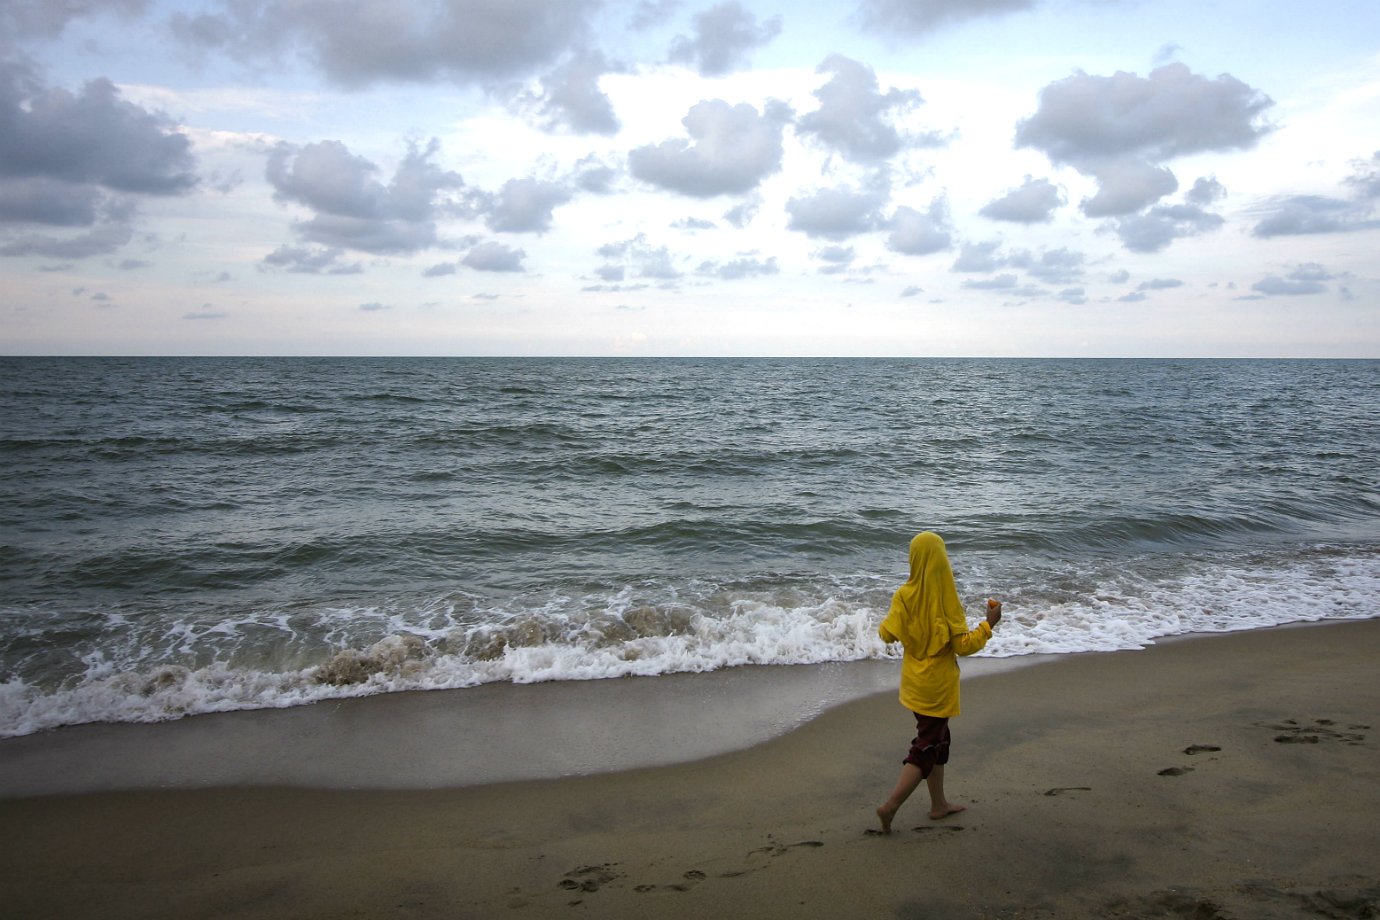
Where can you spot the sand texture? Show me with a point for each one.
(1220, 778)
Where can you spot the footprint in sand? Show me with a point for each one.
(1060, 790)
(1201, 748)
(589, 878)
(1320, 730)
(1175, 771)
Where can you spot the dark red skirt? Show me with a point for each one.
(931, 744)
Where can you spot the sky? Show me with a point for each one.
(1071, 178)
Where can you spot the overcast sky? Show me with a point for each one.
(667, 177)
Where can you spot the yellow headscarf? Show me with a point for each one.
(923, 608)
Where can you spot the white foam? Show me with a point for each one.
(589, 639)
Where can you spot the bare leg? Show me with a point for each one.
(907, 783)
(939, 806)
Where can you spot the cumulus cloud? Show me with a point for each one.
(852, 112)
(1307, 278)
(1127, 186)
(1365, 178)
(48, 18)
(979, 257)
(309, 261)
(1159, 284)
(836, 259)
(572, 99)
(836, 213)
(731, 149)
(747, 265)
(1162, 224)
(1055, 266)
(494, 257)
(1032, 202)
(360, 42)
(1207, 190)
(525, 206)
(1003, 282)
(354, 210)
(1118, 129)
(80, 160)
(637, 253)
(918, 17)
(724, 37)
(918, 233)
(101, 240)
(1300, 215)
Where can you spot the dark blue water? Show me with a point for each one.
(184, 535)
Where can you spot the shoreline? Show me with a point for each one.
(434, 739)
(1227, 776)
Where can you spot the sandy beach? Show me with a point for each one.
(1230, 776)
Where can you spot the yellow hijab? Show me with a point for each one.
(923, 607)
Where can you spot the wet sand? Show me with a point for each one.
(1218, 777)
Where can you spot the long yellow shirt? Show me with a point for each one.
(927, 618)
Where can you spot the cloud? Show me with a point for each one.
(731, 149)
(1033, 202)
(206, 312)
(78, 160)
(851, 117)
(1133, 297)
(979, 257)
(1365, 178)
(919, 233)
(837, 259)
(1127, 186)
(1003, 282)
(360, 42)
(648, 261)
(354, 210)
(1274, 284)
(1118, 128)
(571, 97)
(1159, 284)
(694, 223)
(741, 214)
(724, 36)
(918, 17)
(649, 13)
(440, 270)
(494, 257)
(1056, 266)
(1301, 215)
(1073, 295)
(307, 261)
(836, 213)
(48, 18)
(912, 291)
(1207, 190)
(1307, 278)
(593, 175)
(525, 206)
(1161, 225)
(374, 307)
(745, 266)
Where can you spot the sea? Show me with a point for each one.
(181, 536)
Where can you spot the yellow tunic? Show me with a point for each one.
(926, 617)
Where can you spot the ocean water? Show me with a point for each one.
(189, 535)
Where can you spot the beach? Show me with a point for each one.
(1215, 776)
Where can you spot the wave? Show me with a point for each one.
(694, 627)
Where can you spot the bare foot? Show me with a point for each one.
(938, 814)
(885, 817)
